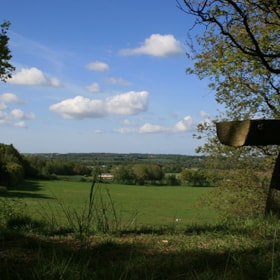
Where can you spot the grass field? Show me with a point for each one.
(155, 247)
(142, 206)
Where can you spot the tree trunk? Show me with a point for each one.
(272, 202)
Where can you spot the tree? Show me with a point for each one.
(15, 174)
(11, 166)
(197, 177)
(151, 173)
(124, 175)
(239, 52)
(6, 68)
(172, 180)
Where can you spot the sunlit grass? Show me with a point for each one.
(140, 205)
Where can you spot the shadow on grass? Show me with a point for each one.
(33, 258)
(26, 190)
(190, 230)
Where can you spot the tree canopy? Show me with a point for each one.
(6, 68)
(11, 166)
(238, 51)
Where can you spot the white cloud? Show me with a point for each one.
(33, 77)
(150, 128)
(204, 115)
(117, 81)
(127, 122)
(157, 45)
(186, 124)
(79, 107)
(3, 106)
(8, 98)
(125, 130)
(16, 117)
(20, 124)
(18, 114)
(130, 103)
(98, 66)
(94, 88)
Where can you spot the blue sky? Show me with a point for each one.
(101, 76)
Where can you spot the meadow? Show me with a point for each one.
(142, 206)
(141, 232)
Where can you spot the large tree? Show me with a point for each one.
(238, 50)
(6, 68)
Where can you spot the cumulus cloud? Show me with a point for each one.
(157, 45)
(18, 114)
(8, 98)
(79, 107)
(130, 103)
(117, 81)
(94, 88)
(184, 125)
(33, 77)
(150, 128)
(15, 117)
(98, 66)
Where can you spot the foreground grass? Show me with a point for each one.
(34, 246)
(247, 250)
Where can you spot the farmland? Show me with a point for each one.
(146, 205)
(60, 219)
(146, 232)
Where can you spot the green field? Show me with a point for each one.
(137, 205)
(154, 246)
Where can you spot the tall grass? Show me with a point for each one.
(97, 214)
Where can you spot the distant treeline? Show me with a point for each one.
(170, 162)
(15, 167)
(123, 168)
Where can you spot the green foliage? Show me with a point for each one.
(151, 173)
(123, 174)
(196, 177)
(12, 166)
(238, 52)
(140, 174)
(242, 184)
(171, 163)
(13, 216)
(6, 68)
(172, 180)
(15, 172)
(41, 167)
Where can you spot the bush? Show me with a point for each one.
(172, 180)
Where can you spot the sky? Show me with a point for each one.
(101, 76)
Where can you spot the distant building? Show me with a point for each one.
(105, 176)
